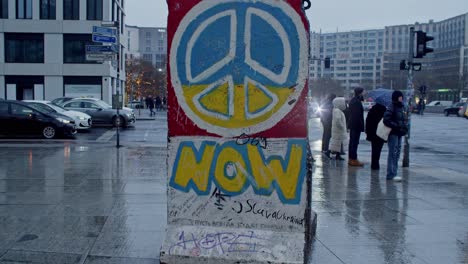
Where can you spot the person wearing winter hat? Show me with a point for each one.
(395, 118)
(339, 134)
(356, 126)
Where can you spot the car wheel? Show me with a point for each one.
(49, 132)
(446, 113)
(118, 121)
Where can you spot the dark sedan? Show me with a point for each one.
(453, 110)
(17, 118)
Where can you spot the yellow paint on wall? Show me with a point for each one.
(266, 173)
(238, 120)
(229, 157)
(217, 100)
(189, 169)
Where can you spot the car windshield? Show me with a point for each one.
(103, 104)
(56, 108)
(41, 108)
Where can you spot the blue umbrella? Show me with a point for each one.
(381, 96)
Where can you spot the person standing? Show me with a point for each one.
(395, 119)
(158, 102)
(356, 126)
(150, 105)
(339, 134)
(373, 119)
(326, 115)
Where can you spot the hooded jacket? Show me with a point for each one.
(374, 116)
(394, 117)
(339, 131)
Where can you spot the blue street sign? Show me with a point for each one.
(105, 31)
(104, 39)
(97, 49)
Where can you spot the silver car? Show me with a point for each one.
(101, 112)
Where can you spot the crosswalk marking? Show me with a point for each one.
(106, 136)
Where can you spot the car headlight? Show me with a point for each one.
(81, 118)
(63, 120)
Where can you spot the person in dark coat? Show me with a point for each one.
(356, 126)
(150, 104)
(326, 118)
(158, 103)
(395, 118)
(373, 119)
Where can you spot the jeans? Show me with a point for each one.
(354, 136)
(394, 149)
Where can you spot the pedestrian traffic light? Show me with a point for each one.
(421, 44)
(327, 63)
(402, 65)
(422, 89)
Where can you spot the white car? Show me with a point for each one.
(103, 102)
(83, 121)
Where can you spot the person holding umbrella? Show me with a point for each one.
(373, 119)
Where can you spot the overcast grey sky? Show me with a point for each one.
(330, 15)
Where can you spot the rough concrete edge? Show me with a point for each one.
(309, 215)
(205, 260)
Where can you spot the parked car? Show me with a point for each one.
(101, 113)
(83, 121)
(62, 100)
(463, 110)
(454, 109)
(135, 105)
(367, 105)
(440, 103)
(18, 118)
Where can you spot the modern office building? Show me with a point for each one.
(355, 56)
(43, 46)
(371, 58)
(153, 46)
(444, 71)
(133, 42)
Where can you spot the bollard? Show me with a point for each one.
(239, 176)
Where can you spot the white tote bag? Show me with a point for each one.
(383, 131)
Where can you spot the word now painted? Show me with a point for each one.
(234, 168)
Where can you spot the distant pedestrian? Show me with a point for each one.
(374, 116)
(326, 115)
(339, 135)
(164, 102)
(150, 104)
(158, 103)
(356, 126)
(395, 118)
(421, 107)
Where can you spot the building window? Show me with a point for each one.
(24, 48)
(48, 9)
(24, 9)
(94, 10)
(74, 47)
(3, 9)
(148, 57)
(71, 10)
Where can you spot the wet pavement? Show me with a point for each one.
(84, 201)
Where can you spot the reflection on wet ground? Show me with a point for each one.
(91, 203)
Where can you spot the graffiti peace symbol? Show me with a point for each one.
(239, 66)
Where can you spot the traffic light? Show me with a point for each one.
(421, 44)
(402, 65)
(422, 89)
(327, 63)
